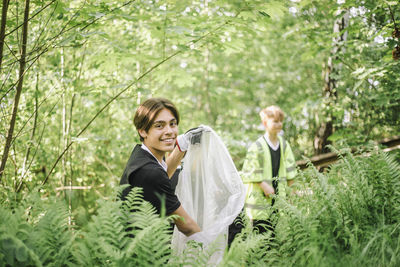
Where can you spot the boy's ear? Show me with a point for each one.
(143, 133)
(264, 122)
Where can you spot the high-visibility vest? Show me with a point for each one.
(257, 168)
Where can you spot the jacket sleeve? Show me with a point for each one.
(290, 163)
(252, 172)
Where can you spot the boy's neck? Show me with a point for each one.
(273, 137)
(157, 154)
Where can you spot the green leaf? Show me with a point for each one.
(8, 243)
(21, 254)
(273, 9)
(358, 84)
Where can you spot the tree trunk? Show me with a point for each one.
(3, 28)
(330, 94)
(19, 90)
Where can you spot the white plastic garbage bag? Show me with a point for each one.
(210, 190)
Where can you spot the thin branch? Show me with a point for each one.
(31, 139)
(77, 187)
(392, 15)
(6, 78)
(112, 10)
(17, 22)
(39, 11)
(19, 133)
(47, 48)
(19, 90)
(3, 28)
(12, 52)
(44, 28)
(65, 29)
(164, 34)
(9, 73)
(31, 161)
(21, 76)
(50, 42)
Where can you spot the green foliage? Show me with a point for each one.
(248, 249)
(228, 60)
(346, 216)
(36, 233)
(125, 234)
(220, 62)
(42, 233)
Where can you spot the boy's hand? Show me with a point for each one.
(193, 136)
(268, 189)
(200, 237)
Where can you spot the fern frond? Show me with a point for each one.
(151, 246)
(105, 236)
(53, 237)
(16, 253)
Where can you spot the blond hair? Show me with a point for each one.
(272, 112)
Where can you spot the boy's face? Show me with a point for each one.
(273, 125)
(162, 134)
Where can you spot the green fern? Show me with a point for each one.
(36, 233)
(53, 236)
(351, 218)
(125, 233)
(14, 252)
(249, 248)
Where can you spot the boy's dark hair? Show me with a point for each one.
(148, 111)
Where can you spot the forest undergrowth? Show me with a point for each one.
(347, 216)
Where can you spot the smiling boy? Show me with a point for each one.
(156, 121)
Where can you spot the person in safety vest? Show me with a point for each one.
(268, 170)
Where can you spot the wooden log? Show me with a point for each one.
(324, 160)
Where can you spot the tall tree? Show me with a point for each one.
(22, 63)
(330, 90)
